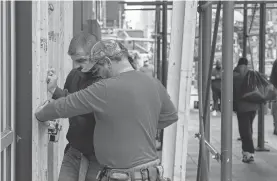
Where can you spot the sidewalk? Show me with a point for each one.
(264, 168)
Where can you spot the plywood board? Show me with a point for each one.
(52, 24)
(39, 131)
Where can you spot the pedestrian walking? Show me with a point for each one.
(129, 107)
(273, 80)
(216, 87)
(246, 112)
(79, 153)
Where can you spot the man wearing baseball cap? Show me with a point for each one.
(129, 107)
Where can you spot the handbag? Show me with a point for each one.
(257, 89)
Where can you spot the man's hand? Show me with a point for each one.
(49, 124)
(40, 108)
(51, 80)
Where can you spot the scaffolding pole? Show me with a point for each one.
(227, 91)
(158, 31)
(164, 44)
(174, 68)
(200, 88)
(261, 146)
(206, 52)
(244, 47)
(205, 107)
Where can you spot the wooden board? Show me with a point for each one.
(39, 132)
(185, 90)
(52, 32)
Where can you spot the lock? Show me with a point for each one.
(54, 131)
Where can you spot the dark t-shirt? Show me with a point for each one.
(80, 134)
(129, 108)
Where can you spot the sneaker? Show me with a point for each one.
(247, 157)
(251, 159)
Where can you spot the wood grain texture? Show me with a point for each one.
(52, 25)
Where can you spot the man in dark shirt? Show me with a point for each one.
(129, 107)
(80, 148)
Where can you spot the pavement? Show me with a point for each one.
(263, 169)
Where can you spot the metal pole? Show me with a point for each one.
(260, 146)
(217, 19)
(207, 93)
(174, 68)
(206, 50)
(104, 14)
(199, 87)
(82, 15)
(158, 57)
(164, 44)
(227, 91)
(119, 17)
(170, 8)
(244, 47)
(147, 3)
(202, 169)
(158, 21)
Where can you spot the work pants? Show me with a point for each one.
(74, 162)
(216, 99)
(245, 120)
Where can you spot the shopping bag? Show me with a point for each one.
(256, 88)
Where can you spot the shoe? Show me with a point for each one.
(247, 157)
(251, 159)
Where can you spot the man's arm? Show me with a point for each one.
(58, 93)
(91, 99)
(168, 114)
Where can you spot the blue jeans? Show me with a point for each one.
(71, 165)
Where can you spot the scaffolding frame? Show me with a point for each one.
(227, 87)
(206, 58)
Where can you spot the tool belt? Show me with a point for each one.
(150, 172)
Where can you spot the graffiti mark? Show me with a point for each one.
(50, 8)
(43, 44)
(53, 36)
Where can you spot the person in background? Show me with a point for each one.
(127, 115)
(273, 80)
(246, 112)
(79, 154)
(216, 87)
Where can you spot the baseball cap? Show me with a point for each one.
(104, 49)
